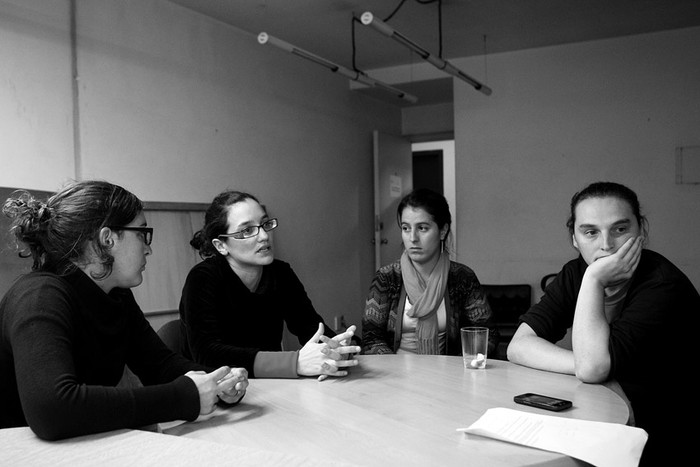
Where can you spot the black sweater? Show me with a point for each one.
(63, 347)
(652, 345)
(224, 323)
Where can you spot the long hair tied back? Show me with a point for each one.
(30, 217)
(56, 232)
(216, 221)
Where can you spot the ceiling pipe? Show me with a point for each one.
(361, 77)
(368, 19)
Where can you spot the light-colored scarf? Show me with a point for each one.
(426, 298)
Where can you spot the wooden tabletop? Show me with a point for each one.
(400, 410)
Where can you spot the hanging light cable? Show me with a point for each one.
(359, 76)
(368, 19)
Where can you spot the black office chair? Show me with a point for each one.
(507, 302)
(546, 280)
(169, 333)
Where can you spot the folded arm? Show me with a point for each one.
(528, 349)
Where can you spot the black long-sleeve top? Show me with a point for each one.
(652, 344)
(63, 346)
(224, 323)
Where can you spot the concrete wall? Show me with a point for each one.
(560, 118)
(177, 107)
(36, 106)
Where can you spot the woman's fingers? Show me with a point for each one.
(227, 384)
(233, 396)
(345, 337)
(346, 363)
(235, 380)
(221, 374)
(232, 386)
(316, 337)
(331, 366)
(340, 353)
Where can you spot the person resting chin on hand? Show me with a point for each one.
(625, 305)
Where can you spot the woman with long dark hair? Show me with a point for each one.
(237, 301)
(419, 303)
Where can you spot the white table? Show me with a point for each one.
(19, 447)
(400, 410)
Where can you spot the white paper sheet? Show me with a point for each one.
(598, 443)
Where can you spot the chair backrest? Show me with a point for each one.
(546, 280)
(508, 301)
(169, 333)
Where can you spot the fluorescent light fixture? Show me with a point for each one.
(368, 19)
(361, 77)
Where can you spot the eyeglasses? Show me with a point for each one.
(252, 230)
(146, 232)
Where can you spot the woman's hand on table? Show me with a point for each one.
(224, 383)
(325, 356)
(338, 347)
(233, 394)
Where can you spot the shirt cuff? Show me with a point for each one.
(276, 365)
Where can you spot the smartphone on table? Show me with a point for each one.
(542, 402)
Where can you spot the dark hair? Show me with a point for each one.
(431, 202)
(608, 190)
(56, 233)
(216, 221)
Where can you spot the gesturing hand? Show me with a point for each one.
(337, 347)
(324, 356)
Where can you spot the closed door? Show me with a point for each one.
(393, 179)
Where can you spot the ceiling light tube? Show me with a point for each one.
(361, 77)
(368, 19)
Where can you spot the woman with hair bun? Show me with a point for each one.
(236, 302)
(69, 327)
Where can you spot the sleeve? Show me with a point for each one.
(276, 365)
(553, 315)
(56, 402)
(376, 339)
(474, 309)
(200, 307)
(148, 357)
(652, 307)
(300, 316)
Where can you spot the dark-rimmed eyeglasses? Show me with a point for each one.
(253, 230)
(146, 232)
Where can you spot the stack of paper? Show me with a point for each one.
(598, 443)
